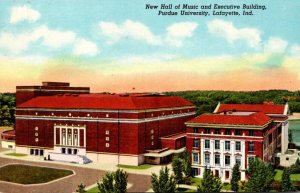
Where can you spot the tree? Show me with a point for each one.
(261, 176)
(210, 183)
(236, 176)
(115, 182)
(186, 163)
(81, 188)
(164, 182)
(177, 169)
(286, 182)
(106, 185)
(120, 178)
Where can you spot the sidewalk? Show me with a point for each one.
(93, 165)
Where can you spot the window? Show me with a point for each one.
(195, 130)
(207, 143)
(207, 158)
(152, 143)
(106, 144)
(69, 151)
(207, 131)
(237, 132)
(217, 131)
(63, 150)
(227, 132)
(107, 115)
(217, 159)
(31, 151)
(36, 140)
(36, 128)
(250, 159)
(152, 131)
(238, 160)
(270, 138)
(251, 133)
(227, 145)
(251, 146)
(36, 134)
(195, 158)
(196, 143)
(217, 144)
(41, 152)
(237, 146)
(227, 160)
(195, 171)
(227, 174)
(107, 132)
(75, 151)
(106, 138)
(152, 137)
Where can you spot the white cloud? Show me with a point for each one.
(175, 35)
(295, 50)
(23, 13)
(276, 44)
(178, 32)
(232, 34)
(129, 29)
(16, 43)
(85, 47)
(55, 38)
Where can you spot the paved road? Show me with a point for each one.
(140, 183)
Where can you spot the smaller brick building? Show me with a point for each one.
(236, 134)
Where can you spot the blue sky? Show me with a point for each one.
(122, 37)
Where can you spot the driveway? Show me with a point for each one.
(140, 183)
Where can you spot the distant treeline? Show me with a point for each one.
(7, 109)
(206, 101)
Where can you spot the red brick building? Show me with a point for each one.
(66, 123)
(236, 133)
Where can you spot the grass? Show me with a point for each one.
(294, 177)
(24, 174)
(140, 167)
(93, 190)
(16, 154)
(196, 181)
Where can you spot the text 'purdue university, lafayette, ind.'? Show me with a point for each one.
(171, 9)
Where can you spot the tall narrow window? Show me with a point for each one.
(196, 143)
(195, 158)
(251, 146)
(227, 145)
(227, 160)
(207, 143)
(238, 146)
(195, 130)
(207, 158)
(217, 159)
(217, 144)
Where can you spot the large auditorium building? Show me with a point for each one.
(59, 122)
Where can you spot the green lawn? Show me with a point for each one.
(93, 190)
(294, 177)
(24, 174)
(16, 154)
(140, 167)
(196, 181)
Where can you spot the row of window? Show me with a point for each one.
(227, 159)
(227, 145)
(227, 131)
